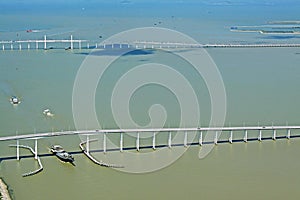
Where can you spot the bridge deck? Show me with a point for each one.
(101, 131)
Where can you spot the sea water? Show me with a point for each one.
(261, 88)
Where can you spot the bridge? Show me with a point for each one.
(36, 44)
(215, 131)
(102, 131)
(157, 44)
(169, 131)
(20, 43)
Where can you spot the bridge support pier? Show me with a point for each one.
(231, 136)
(121, 142)
(36, 45)
(71, 41)
(137, 143)
(153, 141)
(200, 138)
(216, 138)
(3, 48)
(104, 143)
(259, 136)
(246, 136)
(88, 144)
(20, 47)
(45, 42)
(274, 135)
(11, 47)
(18, 150)
(170, 140)
(185, 139)
(288, 134)
(36, 149)
(28, 46)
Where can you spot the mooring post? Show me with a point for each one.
(259, 137)
(274, 134)
(170, 140)
(185, 139)
(137, 143)
(121, 142)
(231, 136)
(104, 143)
(88, 144)
(153, 141)
(216, 138)
(200, 138)
(246, 136)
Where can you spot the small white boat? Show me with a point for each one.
(14, 100)
(48, 113)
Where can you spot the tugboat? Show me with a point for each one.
(62, 154)
(14, 100)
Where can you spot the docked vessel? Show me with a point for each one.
(62, 154)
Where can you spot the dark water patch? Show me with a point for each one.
(280, 37)
(144, 60)
(118, 52)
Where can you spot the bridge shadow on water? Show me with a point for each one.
(118, 52)
(149, 147)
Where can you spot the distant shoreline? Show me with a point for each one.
(4, 193)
